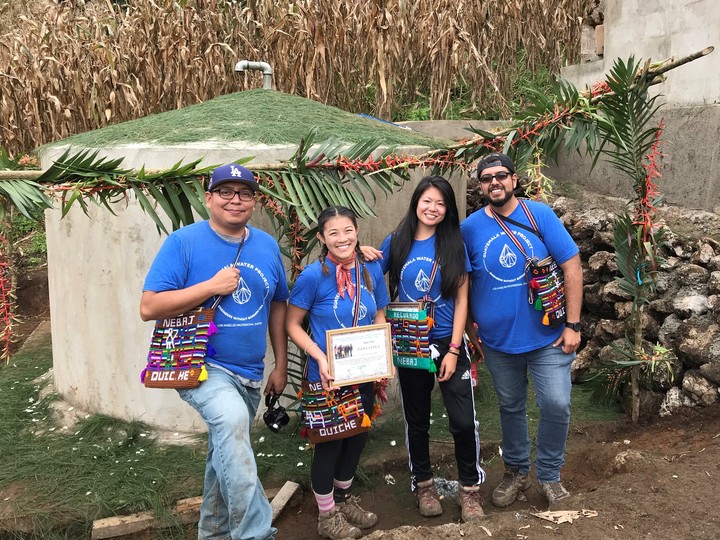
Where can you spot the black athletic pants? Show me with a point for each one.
(416, 386)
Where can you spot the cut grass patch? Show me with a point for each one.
(258, 116)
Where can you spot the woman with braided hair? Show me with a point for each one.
(340, 290)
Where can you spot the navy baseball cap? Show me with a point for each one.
(495, 160)
(232, 173)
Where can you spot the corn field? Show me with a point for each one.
(77, 66)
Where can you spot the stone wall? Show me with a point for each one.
(683, 316)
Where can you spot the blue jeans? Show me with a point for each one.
(234, 504)
(550, 371)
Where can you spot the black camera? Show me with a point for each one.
(275, 417)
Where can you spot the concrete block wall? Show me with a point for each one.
(659, 29)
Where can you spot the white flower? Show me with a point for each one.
(300, 464)
(261, 439)
(392, 443)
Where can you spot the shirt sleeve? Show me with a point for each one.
(382, 297)
(468, 266)
(556, 238)
(169, 269)
(305, 289)
(281, 291)
(385, 248)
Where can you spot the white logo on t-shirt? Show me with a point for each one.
(422, 282)
(507, 258)
(243, 293)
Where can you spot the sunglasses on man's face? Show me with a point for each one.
(487, 178)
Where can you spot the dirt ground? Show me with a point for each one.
(650, 481)
(657, 480)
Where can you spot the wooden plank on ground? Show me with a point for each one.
(286, 493)
(186, 511)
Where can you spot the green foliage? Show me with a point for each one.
(636, 258)
(25, 195)
(606, 380)
(28, 240)
(177, 190)
(627, 124)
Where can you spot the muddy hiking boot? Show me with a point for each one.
(428, 499)
(554, 492)
(513, 483)
(471, 504)
(355, 515)
(333, 525)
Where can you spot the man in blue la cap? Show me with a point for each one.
(515, 337)
(192, 268)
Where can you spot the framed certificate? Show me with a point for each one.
(360, 354)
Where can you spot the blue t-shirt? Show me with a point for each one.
(317, 293)
(498, 289)
(196, 253)
(415, 278)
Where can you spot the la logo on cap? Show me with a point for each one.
(234, 171)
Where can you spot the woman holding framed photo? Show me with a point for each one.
(340, 290)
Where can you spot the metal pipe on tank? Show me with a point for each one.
(247, 65)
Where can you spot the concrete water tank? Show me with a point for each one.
(97, 264)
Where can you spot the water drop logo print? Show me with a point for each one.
(243, 293)
(502, 261)
(248, 299)
(422, 282)
(340, 306)
(363, 311)
(508, 259)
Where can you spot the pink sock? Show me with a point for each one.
(342, 484)
(326, 503)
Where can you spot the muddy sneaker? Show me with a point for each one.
(356, 515)
(471, 504)
(428, 499)
(513, 483)
(333, 525)
(554, 492)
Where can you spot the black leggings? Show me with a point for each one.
(338, 460)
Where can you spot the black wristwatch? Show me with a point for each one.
(577, 326)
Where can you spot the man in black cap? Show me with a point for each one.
(505, 240)
(194, 266)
